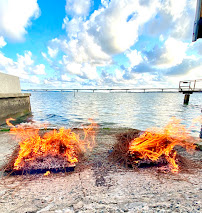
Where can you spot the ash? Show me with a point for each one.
(48, 162)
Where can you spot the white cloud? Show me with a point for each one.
(84, 70)
(65, 78)
(174, 18)
(193, 73)
(116, 28)
(161, 38)
(46, 81)
(135, 57)
(175, 8)
(15, 17)
(173, 53)
(23, 67)
(89, 72)
(2, 42)
(46, 57)
(83, 49)
(73, 26)
(170, 54)
(34, 79)
(63, 82)
(72, 68)
(77, 7)
(196, 46)
(118, 75)
(128, 79)
(105, 3)
(25, 60)
(52, 52)
(187, 66)
(92, 42)
(39, 69)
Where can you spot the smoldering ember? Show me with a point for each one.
(94, 169)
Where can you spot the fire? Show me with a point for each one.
(63, 145)
(155, 143)
(47, 173)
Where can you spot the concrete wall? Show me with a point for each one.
(9, 84)
(14, 105)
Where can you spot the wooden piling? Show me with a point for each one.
(186, 98)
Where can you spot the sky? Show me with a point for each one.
(99, 43)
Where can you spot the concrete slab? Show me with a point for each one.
(97, 185)
(9, 84)
(14, 105)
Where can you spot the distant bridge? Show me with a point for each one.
(185, 87)
(140, 90)
(189, 86)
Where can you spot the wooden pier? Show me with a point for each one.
(189, 87)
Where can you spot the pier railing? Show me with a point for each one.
(190, 86)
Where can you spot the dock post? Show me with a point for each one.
(200, 135)
(186, 98)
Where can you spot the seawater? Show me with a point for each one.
(132, 110)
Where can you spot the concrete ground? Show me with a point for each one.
(97, 185)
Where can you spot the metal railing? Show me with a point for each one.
(190, 86)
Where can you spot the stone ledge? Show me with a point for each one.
(14, 105)
(14, 95)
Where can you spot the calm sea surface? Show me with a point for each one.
(134, 110)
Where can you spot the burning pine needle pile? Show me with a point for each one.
(54, 150)
(154, 146)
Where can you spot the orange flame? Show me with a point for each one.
(155, 142)
(54, 143)
(47, 173)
